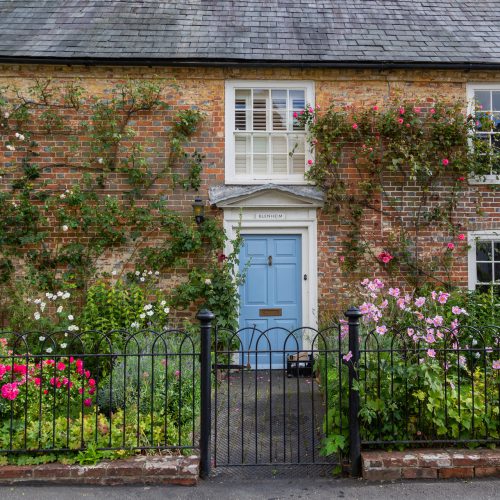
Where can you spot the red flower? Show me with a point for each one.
(451, 246)
(417, 110)
(22, 369)
(461, 179)
(375, 108)
(461, 237)
(309, 162)
(385, 257)
(401, 110)
(91, 382)
(432, 111)
(87, 402)
(10, 391)
(61, 366)
(354, 126)
(445, 161)
(37, 380)
(400, 121)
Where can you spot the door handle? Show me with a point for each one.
(270, 260)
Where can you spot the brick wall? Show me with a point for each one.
(204, 88)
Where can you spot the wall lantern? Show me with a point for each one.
(198, 210)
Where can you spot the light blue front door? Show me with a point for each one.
(270, 299)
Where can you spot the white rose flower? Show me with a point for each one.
(208, 281)
(65, 228)
(100, 161)
(147, 307)
(66, 295)
(59, 293)
(36, 315)
(157, 273)
(150, 273)
(163, 303)
(64, 345)
(49, 350)
(10, 147)
(37, 301)
(150, 313)
(6, 114)
(113, 273)
(62, 196)
(143, 279)
(135, 324)
(60, 309)
(41, 338)
(166, 310)
(137, 273)
(142, 315)
(49, 295)
(73, 328)
(71, 317)
(42, 306)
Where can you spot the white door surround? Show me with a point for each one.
(275, 209)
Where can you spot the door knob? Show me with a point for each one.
(270, 260)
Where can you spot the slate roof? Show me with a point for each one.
(334, 32)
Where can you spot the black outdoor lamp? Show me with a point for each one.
(198, 210)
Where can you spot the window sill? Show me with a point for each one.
(266, 180)
(484, 180)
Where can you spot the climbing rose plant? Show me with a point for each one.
(408, 165)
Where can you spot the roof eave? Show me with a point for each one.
(226, 62)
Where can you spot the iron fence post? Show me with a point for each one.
(205, 317)
(353, 314)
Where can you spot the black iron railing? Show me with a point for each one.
(120, 390)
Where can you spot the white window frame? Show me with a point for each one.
(471, 87)
(230, 173)
(472, 238)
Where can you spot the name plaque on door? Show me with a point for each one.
(270, 312)
(270, 216)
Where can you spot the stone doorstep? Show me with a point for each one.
(430, 464)
(140, 469)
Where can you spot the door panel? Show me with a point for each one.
(273, 286)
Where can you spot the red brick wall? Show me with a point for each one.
(204, 88)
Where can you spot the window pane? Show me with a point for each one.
(280, 164)
(483, 288)
(497, 250)
(260, 164)
(260, 97)
(483, 250)
(297, 144)
(297, 99)
(295, 122)
(497, 272)
(298, 164)
(496, 100)
(242, 160)
(279, 99)
(484, 274)
(279, 120)
(260, 145)
(241, 104)
(483, 99)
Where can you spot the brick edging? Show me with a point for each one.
(430, 464)
(136, 470)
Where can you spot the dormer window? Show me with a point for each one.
(264, 140)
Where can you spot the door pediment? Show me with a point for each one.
(266, 196)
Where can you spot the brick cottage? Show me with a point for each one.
(249, 66)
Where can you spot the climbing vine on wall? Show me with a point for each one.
(81, 176)
(407, 166)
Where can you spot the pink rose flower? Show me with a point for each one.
(61, 366)
(385, 257)
(375, 108)
(309, 162)
(445, 161)
(451, 246)
(87, 402)
(295, 114)
(461, 237)
(354, 126)
(401, 110)
(400, 121)
(417, 110)
(432, 111)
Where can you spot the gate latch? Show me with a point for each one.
(270, 260)
(305, 277)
